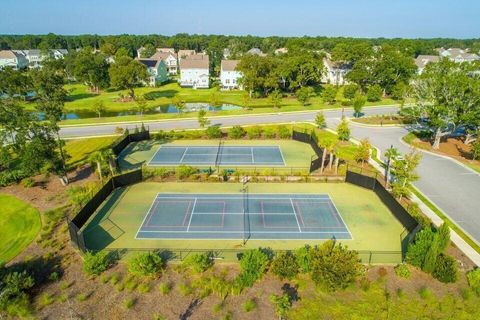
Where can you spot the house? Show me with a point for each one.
(182, 54)
(167, 50)
(458, 55)
(58, 53)
(257, 52)
(157, 71)
(13, 59)
(229, 74)
(140, 51)
(280, 51)
(194, 71)
(422, 60)
(335, 72)
(34, 57)
(226, 53)
(169, 58)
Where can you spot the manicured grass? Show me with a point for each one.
(380, 120)
(452, 225)
(370, 222)
(80, 149)
(20, 225)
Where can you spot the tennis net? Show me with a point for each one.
(218, 153)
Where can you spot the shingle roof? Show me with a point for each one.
(184, 53)
(422, 60)
(149, 63)
(9, 54)
(229, 65)
(159, 55)
(198, 61)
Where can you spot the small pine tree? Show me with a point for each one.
(343, 130)
(320, 120)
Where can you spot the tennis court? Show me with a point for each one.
(242, 216)
(218, 156)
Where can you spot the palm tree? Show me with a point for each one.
(327, 148)
(331, 150)
(98, 158)
(110, 157)
(391, 154)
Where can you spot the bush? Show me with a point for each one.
(329, 94)
(418, 249)
(184, 172)
(402, 271)
(185, 289)
(343, 131)
(164, 288)
(445, 269)
(213, 132)
(283, 132)
(269, 133)
(96, 263)
(304, 94)
(236, 132)
(349, 91)
(253, 264)
(254, 132)
(199, 262)
(285, 266)
(374, 93)
(129, 302)
(303, 258)
(146, 264)
(473, 278)
(28, 182)
(282, 304)
(334, 266)
(399, 91)
(249, 305)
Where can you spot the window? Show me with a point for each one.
(227, 81)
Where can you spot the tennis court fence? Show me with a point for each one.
(121, 144)
(309, 136)
(75, 225)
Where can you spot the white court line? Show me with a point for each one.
(341, 218)
(321, 200)
(254, 232)
(295, 213)
(241, 213)
(191, 215)
(281, 153)
(183, 155)
(253, 158)
(145, 218)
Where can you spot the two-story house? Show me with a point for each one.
(12, 59)
(335, 72)
(422, 60)
(169, 58)
(194, 71)
(157, 71)
(229, 74)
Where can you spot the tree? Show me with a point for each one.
(127, 74)
(343, 130)
(214, 100)
(202, 118)
(329, 94)
(259, 74)
(96, 263)
(214, 132)
(448, 94)
(276, 98)
(333, 266)
(92, 69)
(141, 105)
(320, 120)
(253, 265)
(300, 68)
(148, 51)
(374, 93)
(236, 132)
(358, 103)
(282, 305)
(14, 83)
(179, 103)
(392, 155)
(98, 158)
(99, 107)
(304, 94)
(350, 90)
(446, 269)
(405, 175)
(362, 154)
(400, 91)
(476, 149)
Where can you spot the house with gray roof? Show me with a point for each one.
(157, 71)
(195, 71)
(13, 59)
(229, 75)
(422, 60)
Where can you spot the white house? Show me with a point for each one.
(13, 59)
(169, 58)
(58, 53)
(257, 52)
(229, 74)
(335, 72)
(194, 71)
(280, 51)
(458, 55)
(422, 60)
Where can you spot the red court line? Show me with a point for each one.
(223, 214)
(148, 225)
(299, 211)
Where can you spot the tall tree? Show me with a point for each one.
(92, 69)
(127, 73)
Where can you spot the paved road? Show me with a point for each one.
(450, 186)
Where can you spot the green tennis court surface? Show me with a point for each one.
(221, 155)
(237, 216)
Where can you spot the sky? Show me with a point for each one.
(353, 18)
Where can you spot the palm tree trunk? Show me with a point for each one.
(324, 155)
(99, 169)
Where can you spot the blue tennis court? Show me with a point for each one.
(239, 216)
(218, 156)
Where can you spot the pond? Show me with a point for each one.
(189, 107)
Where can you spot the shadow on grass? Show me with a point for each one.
(160, 94)
(80, 96)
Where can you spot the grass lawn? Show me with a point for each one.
(80, 149)
(296, 154)
(20, 225)
(371, 224)
(81, 99)
(380, 120)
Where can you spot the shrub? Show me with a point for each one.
(424, 292)
(164, 288)
(269, 133)
(254, 132)
(254, 263)
(418, 249)
(329, 94)
(358, 102)
(96, 263)
(402, 271)
(349, 91)
(320, 120)
(283, 132)
(184, 172)
(28, 182)
(304, 94)
(185, 289)
(143, 288)
(199, 262)
(46, 299)
(343, 131)
(146, 264)
(334, 266)
(129, 302)
(236, 132)
(249, 305)
(445, 269)
(374, 93)
(399, 91)
(82, 297)
(303, 258)
(282, 304)
(473, 278)
(213, 132)
(285, 266)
